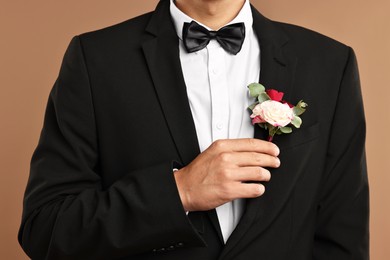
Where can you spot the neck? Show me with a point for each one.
(212, 13)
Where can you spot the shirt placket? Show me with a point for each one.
(220, 119)
(219, 92)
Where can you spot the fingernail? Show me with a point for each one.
(277, 162)
(277, 151)
(261, 189)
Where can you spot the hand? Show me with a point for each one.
(226, 171)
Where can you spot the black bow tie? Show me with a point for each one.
(230, 37)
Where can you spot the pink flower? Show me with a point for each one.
(273, 112)
(257, 120)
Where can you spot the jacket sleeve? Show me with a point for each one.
(67, 214)
(343, 211)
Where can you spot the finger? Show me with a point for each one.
(248, 190)
(243, 159)
(246, 145)
(254, 174)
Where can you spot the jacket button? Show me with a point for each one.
(170, 248)
(159, 250)
(180, 244)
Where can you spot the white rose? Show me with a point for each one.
(274, 113)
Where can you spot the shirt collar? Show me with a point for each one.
(179, 18)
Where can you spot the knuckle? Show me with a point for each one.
(224, 157)
(225, 174)
(252, 142)
(218, 145)
(257, 158)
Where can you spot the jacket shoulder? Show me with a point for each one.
(308, 41)
(129, 30)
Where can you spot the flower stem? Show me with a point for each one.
(270, 138)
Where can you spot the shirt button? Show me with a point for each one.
(219, 126)
(214, 71)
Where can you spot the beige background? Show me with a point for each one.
(33, 38)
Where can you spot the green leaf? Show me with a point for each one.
(255, 89)
(285, 130)
(251, 107)
(300, 108)
(296, 121)
(263, 97)
(272, 130)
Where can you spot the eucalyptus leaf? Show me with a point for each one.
(255, 89)
(251, 107)
(285, 130)
(272, 130)
(300, 108)
(263, 97)
(296, 121)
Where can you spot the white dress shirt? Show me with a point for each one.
(216, 84)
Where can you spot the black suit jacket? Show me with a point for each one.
(118, 120)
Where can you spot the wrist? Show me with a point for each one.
(180, 183)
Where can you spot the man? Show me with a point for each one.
(147, 151)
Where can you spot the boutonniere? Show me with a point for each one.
(272, 113)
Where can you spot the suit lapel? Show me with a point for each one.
(162, 56)
(277, 72)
